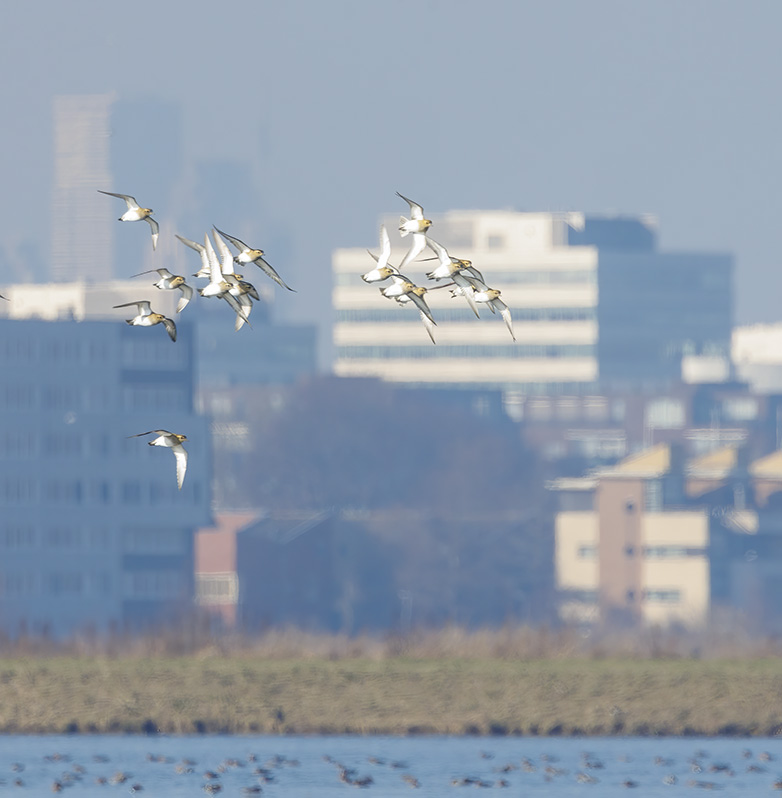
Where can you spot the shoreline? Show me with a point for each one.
(246, 695)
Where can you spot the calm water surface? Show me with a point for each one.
(309, 766)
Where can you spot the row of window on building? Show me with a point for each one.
(590, 552)
(71, 441)
(157, 584)
(125, 540)
(662, 595)
(19, 396)
(68, 352)
(480, 351)
(23, 490)
(463, 314)
(504, 277)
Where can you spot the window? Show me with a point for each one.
(509, 350)
(453, 314)
(17, 536)
(62, 443)
(665, 413)
(596, 408)
(153, 540)
(131, 492)
(539, 409)
(653, 495)
(98, 351)
(18, 585)
(64, 584)
(153, 585)
(585, 596)
(98, 538)
(165, 492)
(567, 408)
(219, 588)
(233, 436)
(18, 397)
(740, 408)
(63, 538)
(58, 350)
(138, 351)
(100, 443)
(100, 492)
(65, 491)
(15, 443)
(143, 397)
(18, 490)
(672, 551)
(18, 349)
(99, 584)
(669, 596)
(99, 398)
(59, 397)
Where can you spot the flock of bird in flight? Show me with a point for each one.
(217, 267)
(223, 282)
(465, 279)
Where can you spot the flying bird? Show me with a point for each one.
(249, 255)
(428, 322)
(239, 290)
(204, 271)
(222, 279)
(135, 213)
(448, 265)
(490, 296)
(407, 299)
(173, 442)
(170, 282)
(146, 318)
(384, 269)
(404, 287)
(416, 225)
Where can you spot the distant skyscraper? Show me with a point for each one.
(82, 231)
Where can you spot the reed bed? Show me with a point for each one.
(513, 681)
(731, 640)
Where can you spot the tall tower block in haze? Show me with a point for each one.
(82, 231)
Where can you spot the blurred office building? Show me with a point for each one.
(757, 356)
(595, 305)
(662, 538)
(94, 533)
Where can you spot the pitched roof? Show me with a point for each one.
(652, 462)
(716, 464)
(768, 467)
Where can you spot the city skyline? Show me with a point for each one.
(602, 108)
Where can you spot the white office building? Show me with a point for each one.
(593, 303)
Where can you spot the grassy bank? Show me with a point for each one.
(242, 693)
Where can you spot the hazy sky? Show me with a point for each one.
(669, 107)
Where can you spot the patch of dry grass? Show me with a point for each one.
(513, 681)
